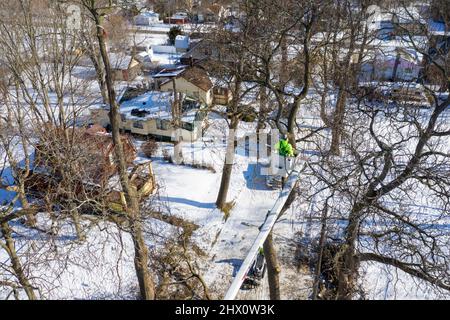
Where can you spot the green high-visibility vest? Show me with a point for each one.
(285, 148)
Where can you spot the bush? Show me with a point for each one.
(173, 33)
(149, 148)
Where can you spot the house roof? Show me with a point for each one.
(153, 105)
(195, 75)
(149, 14)
(169, 72)
(438, 28)
(120, 61)
(198, 77)
(202, 50)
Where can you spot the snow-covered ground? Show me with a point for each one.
(102, 267)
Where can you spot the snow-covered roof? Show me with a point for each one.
(438, 28)
(391, 85)
(149, 14)
(120, 61)
(401, 15)
(169, 73)
(156, 104)
(166, 60)
(407, 14)
(144, 57)
(180, 15)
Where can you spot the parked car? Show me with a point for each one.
(256, 273)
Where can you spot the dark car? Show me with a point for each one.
(256, 272)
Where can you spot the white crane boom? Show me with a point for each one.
(263, 234)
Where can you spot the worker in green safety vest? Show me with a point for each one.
(286, 153)
(284, 148)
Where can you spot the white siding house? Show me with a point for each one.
(146, 18)
(150, 114)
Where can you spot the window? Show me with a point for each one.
(138, 124)
(187, 126)
(220, 91)
(162, 124)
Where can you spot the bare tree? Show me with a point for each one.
(383, 168)
(97, 11)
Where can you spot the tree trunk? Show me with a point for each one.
(75, 215)
(284, 78)
(306, 84)
(228, 166)
(145, 280)
(30, 218)
(273, 268)
(176, 122)
(146, 285)
(262, 108)
(337, 125)
(345, 80)
(15, 261)
(318, 270)
(100, 77)
(231, 143)
(347, 267)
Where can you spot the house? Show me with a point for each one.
(203, 51)
(149, 113)
(145, 59)
(391, 64)
(396, 22)
(182, 43)
(207, 13)
(124, 67)
(200, 51)
(193, 82)
(177, 18)
(146, 18)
